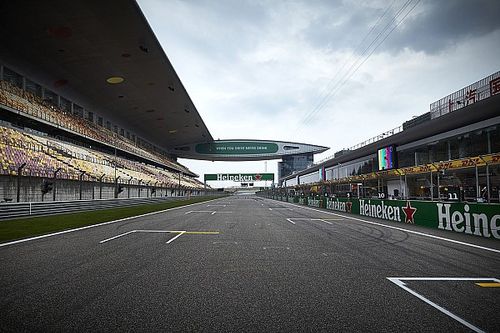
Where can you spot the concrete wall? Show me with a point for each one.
(30, 190)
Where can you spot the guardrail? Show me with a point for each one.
(23, 209)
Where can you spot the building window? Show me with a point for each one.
(12, 77)
(65, 105)
(33, 88)
(90, 115)
(494, 139)
(50, 97)
(77, 110)
(99, 121)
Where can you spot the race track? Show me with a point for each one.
(244, 263)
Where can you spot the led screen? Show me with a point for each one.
(386, 158)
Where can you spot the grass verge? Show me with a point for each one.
(33, 226)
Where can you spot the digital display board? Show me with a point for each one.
(386, 158)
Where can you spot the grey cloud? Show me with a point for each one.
(431, 28)
(218, 29)
(445, 23)
(339, 27)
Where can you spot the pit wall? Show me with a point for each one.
(476, 219)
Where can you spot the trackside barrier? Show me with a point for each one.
(12, 210)
(476, 219)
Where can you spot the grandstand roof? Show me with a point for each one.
(82, 43)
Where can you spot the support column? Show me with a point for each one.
(100, 186)
(116, 186)
(80, 178)
(54, 186)
(488, 182)
(478, 190)
(19, 172)
(128, 187)
(438, 185)
(432, 188)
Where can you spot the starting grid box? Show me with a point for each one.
(473, 302)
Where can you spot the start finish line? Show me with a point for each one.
(239, 177)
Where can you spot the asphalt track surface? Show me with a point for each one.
(273, 266)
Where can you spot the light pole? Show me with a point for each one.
(54, 186)
(19, 171)
(81, 183)
(179, 191)
(265, 171)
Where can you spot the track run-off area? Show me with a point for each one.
(245, 263)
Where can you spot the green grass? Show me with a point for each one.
(34, 226)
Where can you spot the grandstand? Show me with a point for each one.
(450, 153)
(35, 156)
(59, 139)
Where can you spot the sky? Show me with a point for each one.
(332, 73)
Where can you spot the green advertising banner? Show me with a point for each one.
(470, 218)
(236, 148)
(240, 177)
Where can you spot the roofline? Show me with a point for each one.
(148, 26)
(273, 141)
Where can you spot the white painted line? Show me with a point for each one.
(321, 221)
(399, 283)
(216, 205)
(198, 211)
(212, 212)
(99, 224)
(306, 219)
(148, 231)
(402, 229)
(177, 236)
(118, 236)
(270, 208)
(143, 231)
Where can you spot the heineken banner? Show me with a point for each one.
(240, 177)
(469, 218)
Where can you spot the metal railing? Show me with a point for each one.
(482, 89)
(379, 137)
(23, 209)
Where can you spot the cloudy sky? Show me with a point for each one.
(331, 73)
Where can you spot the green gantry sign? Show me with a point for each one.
(236, 148)
(240, 177)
